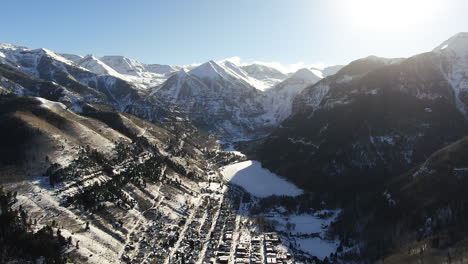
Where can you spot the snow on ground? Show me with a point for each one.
(304, 223)
(51, 105)
(309, 224)
(317, 247)
(230, 148)
(43, 204)
(258, 181)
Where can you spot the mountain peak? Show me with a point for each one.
(182, 72)
(457, 45)
(93, 64)
(209, 70)
(214, 70)
(51, 54)
(124, 65)
(261, 71)
(8, 46)
(305, 74)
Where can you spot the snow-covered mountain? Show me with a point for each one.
(129, 179)
(129, 66)
(217, 96)
(280, 98)
(88, 155)
(95, 65)
(374, 112)
(223, 98)
(381, 128)
(140, 74)
(267, 77)
(46, 74)
(453, 64)
(28, 60)
(250, 74)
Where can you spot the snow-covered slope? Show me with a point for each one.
(266, 77)
(280, 98)
(217, 96)
(231, 72)
(161, 68)
(95, 65)
(28, 60)
(124, 190)
(212, 71)
(455, 46)
(49, 139)
(239, 101)
(46, 74)
(373, 112)
(263, 72)
(72, 57)
(454, 66)
(140, 74)
(223, 97)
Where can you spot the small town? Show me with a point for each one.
(213, 233)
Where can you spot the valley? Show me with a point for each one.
(175, 219)
(104, 159)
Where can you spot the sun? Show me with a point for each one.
(390, 14)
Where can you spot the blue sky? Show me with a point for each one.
(187, 31)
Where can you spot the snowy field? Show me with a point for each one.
(305, 223)
(317, 247)
(309, 224)
(258, 181)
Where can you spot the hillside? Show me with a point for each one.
(377, 139)
(372, 120)
(84, 160)
(109, 187)
(417, 216)
(105, 159)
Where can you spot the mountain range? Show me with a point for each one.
(365, 137)
(221, 97)
(135, 149)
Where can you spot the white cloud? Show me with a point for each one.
(235, 60)
(191, 66)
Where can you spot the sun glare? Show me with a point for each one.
(391, 14)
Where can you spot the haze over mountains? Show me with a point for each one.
(374, 152)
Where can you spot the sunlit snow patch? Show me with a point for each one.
(258, 181)
(316, 246)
